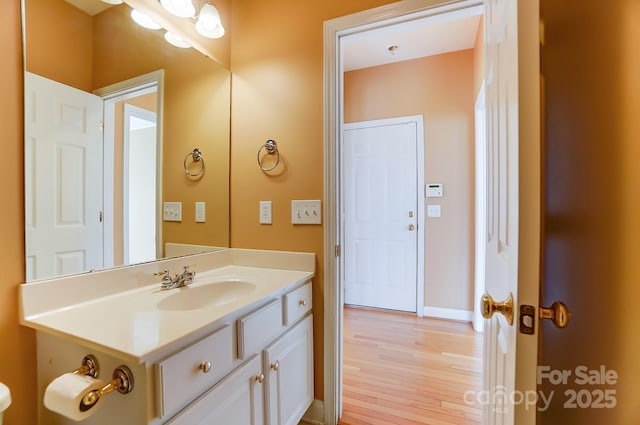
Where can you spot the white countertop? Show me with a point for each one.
(133, 325)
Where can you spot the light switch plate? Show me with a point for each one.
(433, 210)
(265, 212)
(200, 212)
(172, 211)
(306, 212)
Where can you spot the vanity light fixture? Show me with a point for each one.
(209, 23)
(144, 21)
(175, 40)
(180, 8)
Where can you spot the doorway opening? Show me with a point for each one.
(337, 32)
(133, 169)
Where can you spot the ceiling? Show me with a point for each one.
(90, 7)
(414, 39)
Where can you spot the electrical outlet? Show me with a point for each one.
(306, 212)
(172, 211)
(200, 212)
(265, 212)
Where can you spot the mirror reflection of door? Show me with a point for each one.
(63, 178)
(139, 180)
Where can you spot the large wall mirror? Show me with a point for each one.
(112, 115)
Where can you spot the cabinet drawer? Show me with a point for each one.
(238, 400)
(297, 303)
(185, 375)
(259, 328)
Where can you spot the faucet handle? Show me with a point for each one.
(162, 273)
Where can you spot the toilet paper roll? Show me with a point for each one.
(64, 395)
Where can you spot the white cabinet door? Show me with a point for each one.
(289, 368)
(237, 400)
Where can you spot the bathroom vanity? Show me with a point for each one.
(233, 347)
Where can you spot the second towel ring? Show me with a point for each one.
(196, 156)
(271, 147)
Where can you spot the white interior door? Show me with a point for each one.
(513, 222)
(381, 214)
(63, 178)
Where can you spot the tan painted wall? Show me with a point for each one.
(60, 43)
(277, 92)
(441, 89)
(17, 344)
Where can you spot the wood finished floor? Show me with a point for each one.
(404, 370)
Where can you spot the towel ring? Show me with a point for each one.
(196, 156)
(271, 147)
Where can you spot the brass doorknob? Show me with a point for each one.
(558, 313)
(411, 227)
(488, 306)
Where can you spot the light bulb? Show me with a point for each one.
(180, 8)
(175, 40)
(144, 21)
(209, 24)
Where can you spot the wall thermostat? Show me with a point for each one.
(433, 190)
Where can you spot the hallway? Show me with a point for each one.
(404, 370)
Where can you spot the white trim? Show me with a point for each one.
(480, 208)
(418, 120)
(315, 414)
(448, 313)
(334, 30)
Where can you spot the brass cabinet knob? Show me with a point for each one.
(205, 367)
(488, 307)
(303, 303)
(275, 366)
(260, 378)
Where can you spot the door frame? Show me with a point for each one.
(334, 31)
(418, 120)
(137, 86)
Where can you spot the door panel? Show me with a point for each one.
(63, 177)
(381, 216)
(592, 209)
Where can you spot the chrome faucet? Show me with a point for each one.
(179, 280)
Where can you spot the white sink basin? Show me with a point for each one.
(205, 295)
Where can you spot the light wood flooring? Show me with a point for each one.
(404, 370)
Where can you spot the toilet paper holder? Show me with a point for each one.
(90, 367)
(122, 381)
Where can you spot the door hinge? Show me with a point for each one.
(337, 250)
(100, 216)
(101, 126)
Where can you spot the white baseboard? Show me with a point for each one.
(314, 414)
(448, 313)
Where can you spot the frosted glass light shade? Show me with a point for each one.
(209, 23)
(181, 8)
(144, 21)
(175, 40)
